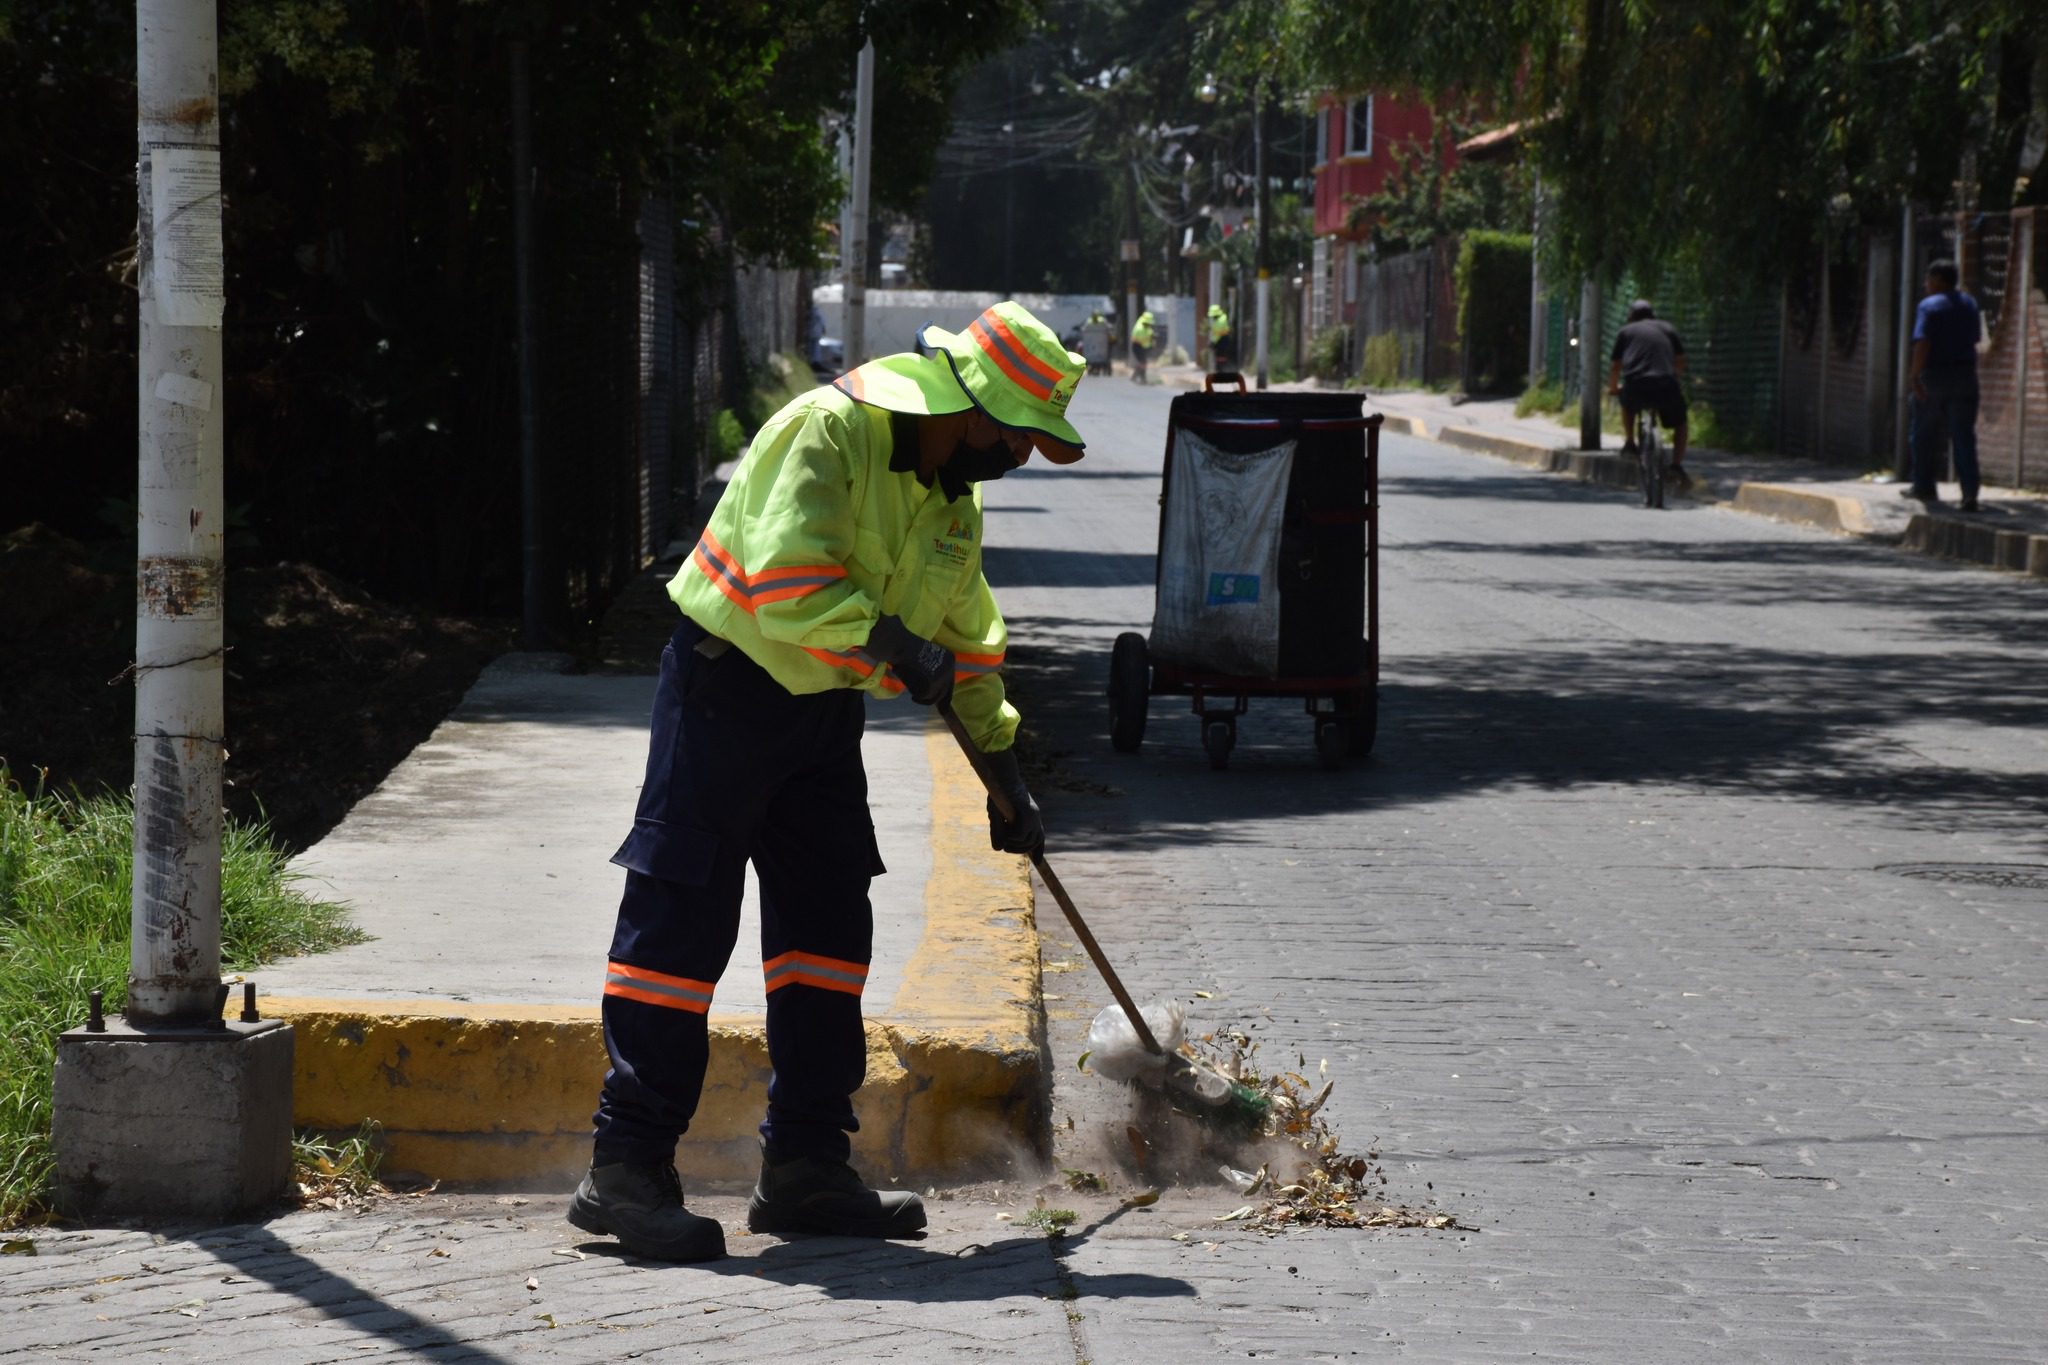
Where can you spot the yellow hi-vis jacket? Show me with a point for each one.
(816, 537)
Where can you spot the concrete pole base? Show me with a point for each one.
(172, 1123)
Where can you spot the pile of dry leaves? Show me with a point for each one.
(1306, 1178)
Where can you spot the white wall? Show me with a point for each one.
(895, 315)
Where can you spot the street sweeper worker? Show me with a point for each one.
(843, 562)
(1222, 350)
(1141, 346)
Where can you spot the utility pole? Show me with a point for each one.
(1593, 68)
(174, 955)
(169, 1111)
(1263, 207)
(855, 259)
(1591, 378)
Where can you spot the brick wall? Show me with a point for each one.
(1828, 410)
(2016, 348)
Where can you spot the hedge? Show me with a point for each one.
(1492, 283)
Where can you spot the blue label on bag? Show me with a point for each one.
(1230, 589)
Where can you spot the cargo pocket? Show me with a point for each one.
(671, 853)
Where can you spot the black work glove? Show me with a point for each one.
(925, 669)
(1024, 832)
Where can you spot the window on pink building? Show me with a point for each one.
(1358, 127)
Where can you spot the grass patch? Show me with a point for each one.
(64, 892)
(1051, 1222)
(1542, 396)
(1381, 367)
(336, 1172)
(1610, 414)
(785, 376)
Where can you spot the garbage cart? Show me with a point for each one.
(1095, 346)
(1267, 580)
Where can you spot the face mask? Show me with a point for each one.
(967, 466)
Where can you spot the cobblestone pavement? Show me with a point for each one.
(1641, 942)
(1685, 937)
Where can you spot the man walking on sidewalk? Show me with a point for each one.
(1943, 375)
(843, 559)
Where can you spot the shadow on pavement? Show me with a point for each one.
(860, 1268)
(1015, 568)
(262, 1255)
(1771, 722)
(1504, 488)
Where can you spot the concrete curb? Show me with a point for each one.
(1977, 542)
(1789, 502)
(1929, 533)
(956, 1081)
(1587, 466)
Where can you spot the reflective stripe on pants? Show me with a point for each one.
(738, 771)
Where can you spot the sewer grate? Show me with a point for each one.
(2005, 876)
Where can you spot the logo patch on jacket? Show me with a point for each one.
(952, 551)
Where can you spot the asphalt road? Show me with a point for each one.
(1654, 939)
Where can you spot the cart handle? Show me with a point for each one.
(1209, 380)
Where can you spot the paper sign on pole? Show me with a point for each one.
(185, 237)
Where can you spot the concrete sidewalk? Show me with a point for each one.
(2009, 532)
(468, 1027)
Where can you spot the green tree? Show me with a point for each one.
(1423, 201)
(1728, 131)
(367, 217)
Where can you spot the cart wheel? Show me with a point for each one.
(1361, 715)
(1217, 737)
(1130, 689)
(1332, 743)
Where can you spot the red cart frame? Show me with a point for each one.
(1344, 707)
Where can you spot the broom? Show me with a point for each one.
(1200, 1091)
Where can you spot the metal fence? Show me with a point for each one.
(645, 365)
(1731, 354)
(1406, 328)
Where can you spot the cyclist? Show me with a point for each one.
(1644, 368)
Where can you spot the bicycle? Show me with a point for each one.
(1650, 456)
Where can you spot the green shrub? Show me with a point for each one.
(1382, 368)
(1326, 353)
(728, 435)
(1492, 289)
(1709, 430)
(1542, 396)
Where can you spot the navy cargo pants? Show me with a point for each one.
(739, 769)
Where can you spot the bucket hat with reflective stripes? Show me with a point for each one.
(1006, 363)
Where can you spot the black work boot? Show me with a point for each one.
(641, 1204)
(816, 1194)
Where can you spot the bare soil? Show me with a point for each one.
(327, 687)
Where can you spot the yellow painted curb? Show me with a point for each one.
(956, 1080)
(1406, 425)
(1788, 502)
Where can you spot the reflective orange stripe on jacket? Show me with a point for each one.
(656, 988)
(857, 661)
(966, 666)
(755, 590)
(811, 969)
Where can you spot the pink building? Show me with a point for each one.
(1361, 141)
